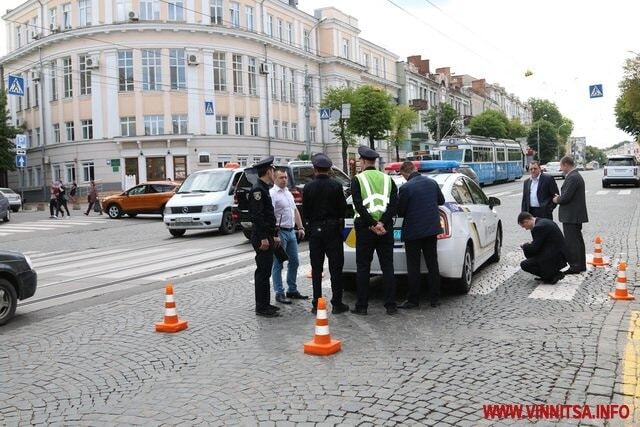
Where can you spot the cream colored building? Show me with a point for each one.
(161, 88)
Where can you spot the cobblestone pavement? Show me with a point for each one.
(104, 365)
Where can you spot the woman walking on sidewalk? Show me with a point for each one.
(92, 198)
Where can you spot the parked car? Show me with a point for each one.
(5, 208)
(18, 281)
(146, 198)
(553, 169)
(14, 198)
(203, 202)
(300, 173)
(621, 170)
(472, 233)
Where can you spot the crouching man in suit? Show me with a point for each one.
(545, 255)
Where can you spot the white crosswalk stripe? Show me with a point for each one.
(47, 225)
(602, 192)
(624, 192)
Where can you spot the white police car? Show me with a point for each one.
(472, 233)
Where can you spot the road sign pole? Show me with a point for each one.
(307, 114)
(22, 189)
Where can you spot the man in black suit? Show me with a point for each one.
(538, 192)
(572, 214)
(545, 254)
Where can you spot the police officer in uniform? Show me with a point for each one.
(375, 199)
(263, 235)
(324, 208)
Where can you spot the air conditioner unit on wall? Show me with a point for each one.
(264, 68)
(133, 16)
(92, 63)
(192, 60)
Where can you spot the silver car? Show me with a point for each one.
(5, 209)
(553, 169)
(14, 198)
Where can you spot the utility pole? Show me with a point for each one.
(43, 128)
(307, 114)
(538, 153)
(438, 124)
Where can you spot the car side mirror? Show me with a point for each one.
(494, 201)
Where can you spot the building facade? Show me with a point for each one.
(628, 148)
(578, 145)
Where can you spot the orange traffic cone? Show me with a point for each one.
(598, 260)
(322, 344)
(171, 322)
(621, 284)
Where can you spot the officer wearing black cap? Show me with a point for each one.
(324, 208)
(263, 235)
(375, 200)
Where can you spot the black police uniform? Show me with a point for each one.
(324, 208)
(264, 227)
(367, 242)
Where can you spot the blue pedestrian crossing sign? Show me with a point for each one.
(21, 161)
(325, 113)
(595, 91)
(208, 108)
(16, 85)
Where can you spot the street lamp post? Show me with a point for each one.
(307, 98)
(443, 98)
(560, 127)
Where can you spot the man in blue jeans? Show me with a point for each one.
(287, 217)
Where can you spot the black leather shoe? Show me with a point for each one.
(282, 300)
(391, 309)
(574, 271)
(339, 308)
(296, 295)
(538, 279)
(359, 311)
(555, 279)
(408, 305)
(274, 308)
(314, 310)
(267, 313)
(435, 304)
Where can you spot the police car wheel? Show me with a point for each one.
(8, 301)
(497, 247)
(463, 284)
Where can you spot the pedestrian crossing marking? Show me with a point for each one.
(564, 290)
(624, 192)
(602, 192)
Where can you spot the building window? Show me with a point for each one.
(283, 84)
(35, 27)
(274, 86)
(30, 139)
(253, 124)
(306, 41)
(36, 89)
(276, 126)
(234, 10)
(222, 125)
(312, 134)
(67, 80)
(88, 172)
(36, 133)
(253, 77)
(376, 66)
(57, 173)
(18, 36)
(128, 126)
(219, 71)
(215, 10)
(365, 60)
(151, 69)
(70, 172)
(249, 12)
(125, 71)
(85, 76)
(87, 129)
(53, 18)
(176, 10)
(345, 48)
(123, 7)
(292, 85)
(237, 74)
(70, 131)
(149, 10)
(280, 30)
(56, 133)
(294, 131)
(179, 124)
(285, 130)
(27, 92)
(84, 9)
(54, 80)
(270, 25)
(290, 34)
(239, 125)
(66, 16)
(154, 125)
(177, 69)
(38, 177)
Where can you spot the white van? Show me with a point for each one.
(203, 202)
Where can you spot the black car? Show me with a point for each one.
(299, 172)
(18, 281)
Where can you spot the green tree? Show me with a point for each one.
(516, 129)
(548, 140)
(628, 103)
(449, 121)
(595, 153)
(491, 123)
(404, 117)
(334, 97)
(545, 109)
(371, 113)
(7, 133)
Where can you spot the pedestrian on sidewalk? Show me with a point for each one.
(418, 205)
(53, 200)
(572, 214)
(538, 191)
(62, 200)
(263, 236)
(92, 197)
(289, 224)
(545, 255)
(73, 192)
(324, 208)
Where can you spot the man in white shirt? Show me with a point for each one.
(287, 218)
(538, 192)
